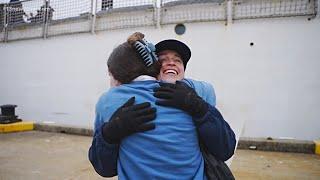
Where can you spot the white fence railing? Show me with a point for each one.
(44, 18)
(248, 9)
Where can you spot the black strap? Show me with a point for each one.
(215, 169)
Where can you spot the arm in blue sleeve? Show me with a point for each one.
(216, 134)
(103, 156)
(213, 130)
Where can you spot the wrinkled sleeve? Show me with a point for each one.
(216, 134)
(103, 156)
(213, 130)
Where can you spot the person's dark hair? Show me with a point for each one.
(125, 63)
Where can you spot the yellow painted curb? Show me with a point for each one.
(317, 142)
(16, 127)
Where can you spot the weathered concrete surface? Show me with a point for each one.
(251, 164)
(262, 144)
(44, 155)
(63, 129)
(280, 145)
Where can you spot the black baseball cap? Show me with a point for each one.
(171, 44)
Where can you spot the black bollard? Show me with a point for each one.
(8, 110)
(8, 114)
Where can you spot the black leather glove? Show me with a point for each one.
(128, 119)
(181, 96)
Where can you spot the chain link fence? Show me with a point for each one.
(22, 19)
(44, 18)
(124, 14)
(2, 22)
(1, 36)
(66, 17)
(249, 9)
(2, 30)
(192, 11)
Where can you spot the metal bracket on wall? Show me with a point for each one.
(93, 15)
(45, 19)
(229, 12)
(157, 11)
(5, 24)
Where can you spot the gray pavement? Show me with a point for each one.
(45, 155)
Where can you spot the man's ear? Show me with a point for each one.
(109, 73)
(113, 82)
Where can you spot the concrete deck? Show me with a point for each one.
(45, 155)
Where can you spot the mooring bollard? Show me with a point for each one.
(8, 114)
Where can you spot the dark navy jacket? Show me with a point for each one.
(214, 131)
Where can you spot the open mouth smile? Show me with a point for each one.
(170, 71)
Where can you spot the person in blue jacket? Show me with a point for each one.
(131, 142)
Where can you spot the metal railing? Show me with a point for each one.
(73, 16)
(250, 9)
(124, 14)
(45, 18)
(192, 11)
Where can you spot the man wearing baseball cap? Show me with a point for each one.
(195, 97)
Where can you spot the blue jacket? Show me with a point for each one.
(171, 151)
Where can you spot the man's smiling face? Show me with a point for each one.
(172, 68)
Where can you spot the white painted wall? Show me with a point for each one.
(273, 87)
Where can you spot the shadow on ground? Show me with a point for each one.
(44, 155)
